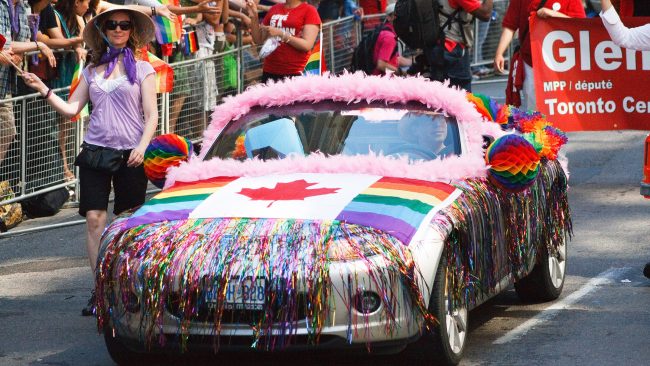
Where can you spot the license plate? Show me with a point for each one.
(249, 294)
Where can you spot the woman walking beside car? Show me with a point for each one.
(288, 32)
(123, 121)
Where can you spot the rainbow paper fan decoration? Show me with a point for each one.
(514, 163)
(554, 140)
(163, 152)
(486, 106)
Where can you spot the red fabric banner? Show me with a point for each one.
(583, 81)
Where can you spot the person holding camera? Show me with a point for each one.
(386, 54)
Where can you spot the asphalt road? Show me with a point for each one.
(602, 318)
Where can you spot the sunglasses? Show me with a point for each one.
(113, 24)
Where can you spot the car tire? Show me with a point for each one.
(445, 343)
(123, 355)
(546, 281)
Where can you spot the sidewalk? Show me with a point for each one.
(68, 215)
(493, 86)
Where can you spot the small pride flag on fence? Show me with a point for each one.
(164, 72)
(166, 30)
(191, 42)
(76, 78)
(313, 66)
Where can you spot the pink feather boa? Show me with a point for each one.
(348, 88)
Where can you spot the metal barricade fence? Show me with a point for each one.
(487, 35)
(46, 143)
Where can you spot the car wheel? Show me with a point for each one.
(546, 281)
(445, 343)
(122, 355)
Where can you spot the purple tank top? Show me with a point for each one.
(117, 118)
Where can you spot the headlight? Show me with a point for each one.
(367, 302)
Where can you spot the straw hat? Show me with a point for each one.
(142, 28)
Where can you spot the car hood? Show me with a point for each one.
(397, 206)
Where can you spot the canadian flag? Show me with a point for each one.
(299, 196)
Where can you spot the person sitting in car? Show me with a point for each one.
(423, 136)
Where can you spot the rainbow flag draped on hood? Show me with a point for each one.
(396, 206)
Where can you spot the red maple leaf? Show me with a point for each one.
(291, 191)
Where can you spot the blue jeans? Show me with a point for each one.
(451, 65)
(457, 68)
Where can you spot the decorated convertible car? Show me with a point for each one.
(337, 212)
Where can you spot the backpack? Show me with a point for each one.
(417, 22)
(362, 58)
(45, 204)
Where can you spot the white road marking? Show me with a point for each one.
(555, 308)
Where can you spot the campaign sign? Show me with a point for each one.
(583, 81)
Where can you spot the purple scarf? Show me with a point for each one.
(33, 20)
(111, 57)
(13, 17)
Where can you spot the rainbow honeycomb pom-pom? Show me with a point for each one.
(163, 152)
(514, 163)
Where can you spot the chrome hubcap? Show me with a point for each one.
(556, 266)
(456, 325)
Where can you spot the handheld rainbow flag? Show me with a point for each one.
(314, 63)
(164, 72)
(76, 78)
(166, 30)
(191, 43)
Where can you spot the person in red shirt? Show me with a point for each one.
(516, 18)
(373, 6)
(295, 25)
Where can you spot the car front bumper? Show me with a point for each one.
(344, 327)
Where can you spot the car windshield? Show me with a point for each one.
(336, 128)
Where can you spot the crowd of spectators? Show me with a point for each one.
(44, 37)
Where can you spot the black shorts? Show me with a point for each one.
(129, 184)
